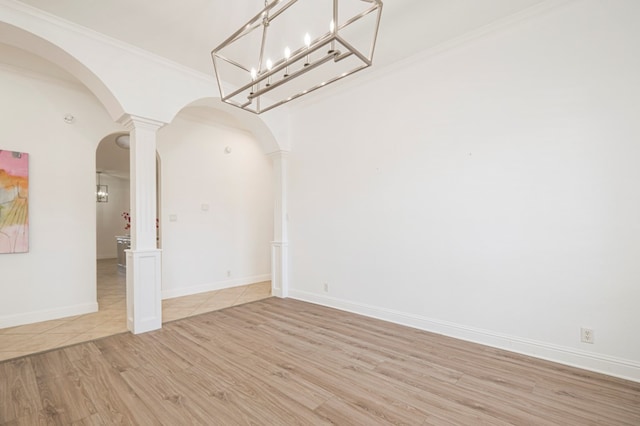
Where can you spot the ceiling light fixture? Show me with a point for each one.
(123, 141)
(102, 191)
(336, 38)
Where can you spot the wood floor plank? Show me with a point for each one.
(61, 391)
(116, 402)
(344, 361)
(31, 419)
(94, 420)
(282, 362)
(54, 406)
(344, 383)
(305, 393)
(215, 398)
(79, 352)
(340, 412)
(547, 409)
(297, 333)
(116, 349)
(213, 380)
(19, 396)
(161, 396)
(243, 386)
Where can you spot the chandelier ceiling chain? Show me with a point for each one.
(250, 79)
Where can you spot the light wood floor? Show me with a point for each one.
(111, 317)
(285, 362)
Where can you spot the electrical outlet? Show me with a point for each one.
(228, 273)
(586, 335)
(325, 287)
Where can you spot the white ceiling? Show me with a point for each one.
(187, 31)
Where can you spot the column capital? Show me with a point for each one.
(132, 122)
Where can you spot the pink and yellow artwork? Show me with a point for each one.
(14, 202)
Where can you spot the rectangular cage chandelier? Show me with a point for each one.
(102, 191)
(293, 47)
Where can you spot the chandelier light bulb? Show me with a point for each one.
(287, 55)
(254, 74)
(307, 42)
(332, 27)
(269, 66)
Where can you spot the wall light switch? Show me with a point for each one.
(173, 218)
(205, 207)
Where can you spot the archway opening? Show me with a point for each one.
(216, 213)
(112, 229)
(55, 119)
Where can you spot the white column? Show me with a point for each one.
(280, 243)
(144, 281)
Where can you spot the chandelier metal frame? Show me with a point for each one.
(253, 95)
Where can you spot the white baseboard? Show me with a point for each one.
(46, 315)
(617, 367)
(187, 291)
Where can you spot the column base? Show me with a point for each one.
(144, 290)
(279, 269)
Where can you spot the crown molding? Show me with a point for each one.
(480, 33)
(98, 37)
(193, 118)
(372, 73)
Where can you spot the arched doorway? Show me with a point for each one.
(216, 213)
(148, 107)
(112, 205)
(57, 121)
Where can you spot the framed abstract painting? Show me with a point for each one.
(14, 202)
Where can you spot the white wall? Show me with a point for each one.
(228, 244)
(489, 192)
(109, 220)
(58, 276)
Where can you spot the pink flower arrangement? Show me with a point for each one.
(127, 220)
